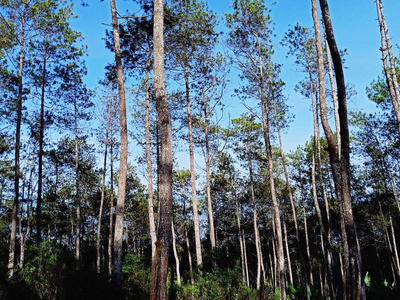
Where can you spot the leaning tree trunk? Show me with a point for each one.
(388, 64)
(159, 269)
(353, 285)
(123, 161)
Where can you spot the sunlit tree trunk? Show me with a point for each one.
(388, 62)
(353, 284)
(208, 180)
(178, 273)
(195, 204)
(159, 269)
(123, 160)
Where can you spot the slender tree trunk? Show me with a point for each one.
(77, 194)
(152, 225)
(240, 242)
(353, 283)
(388, 64)
(396, 253)
(334, 95)
(123, 160)
(275, 205)
(325, 237)
(255, 218)
(246, 265)
(188, 245)
(111, 225)
(178, 273)
(208, 180)
(308, 247)
(159, 270)
(288, 254)
(14, 216)
(195, 204)
(40, 168)
(103, 189)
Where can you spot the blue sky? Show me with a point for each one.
(355, 27)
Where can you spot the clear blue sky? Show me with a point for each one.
(355, 27)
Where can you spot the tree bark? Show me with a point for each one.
(40, 168)
(178, 273)
(255, 219)
(103, 188)
(77, 195)
(159, 270)
(152, 225)
(195, 204)
(353, 284)
(208, 180)
(14, 216)
(111, 225)
(123, 161)
(388, 65)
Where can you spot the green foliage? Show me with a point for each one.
(221, 283)
(137, 274)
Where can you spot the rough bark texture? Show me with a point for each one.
(353, 285)
(123, 161)
(159, 271)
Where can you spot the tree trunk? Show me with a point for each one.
(288, 254)
(178, 273)
(388, 66)
(353, 283)
(188, 245)
(77, 195)
(103, 188)
(195, 204)
(111, 225)
(14, 216)
(159, 270)
(208, 180)
(152, 225)
(255, 219)
(123, 160)
(40, 168)
(308, 247)
(396, 253)
(275, 205)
